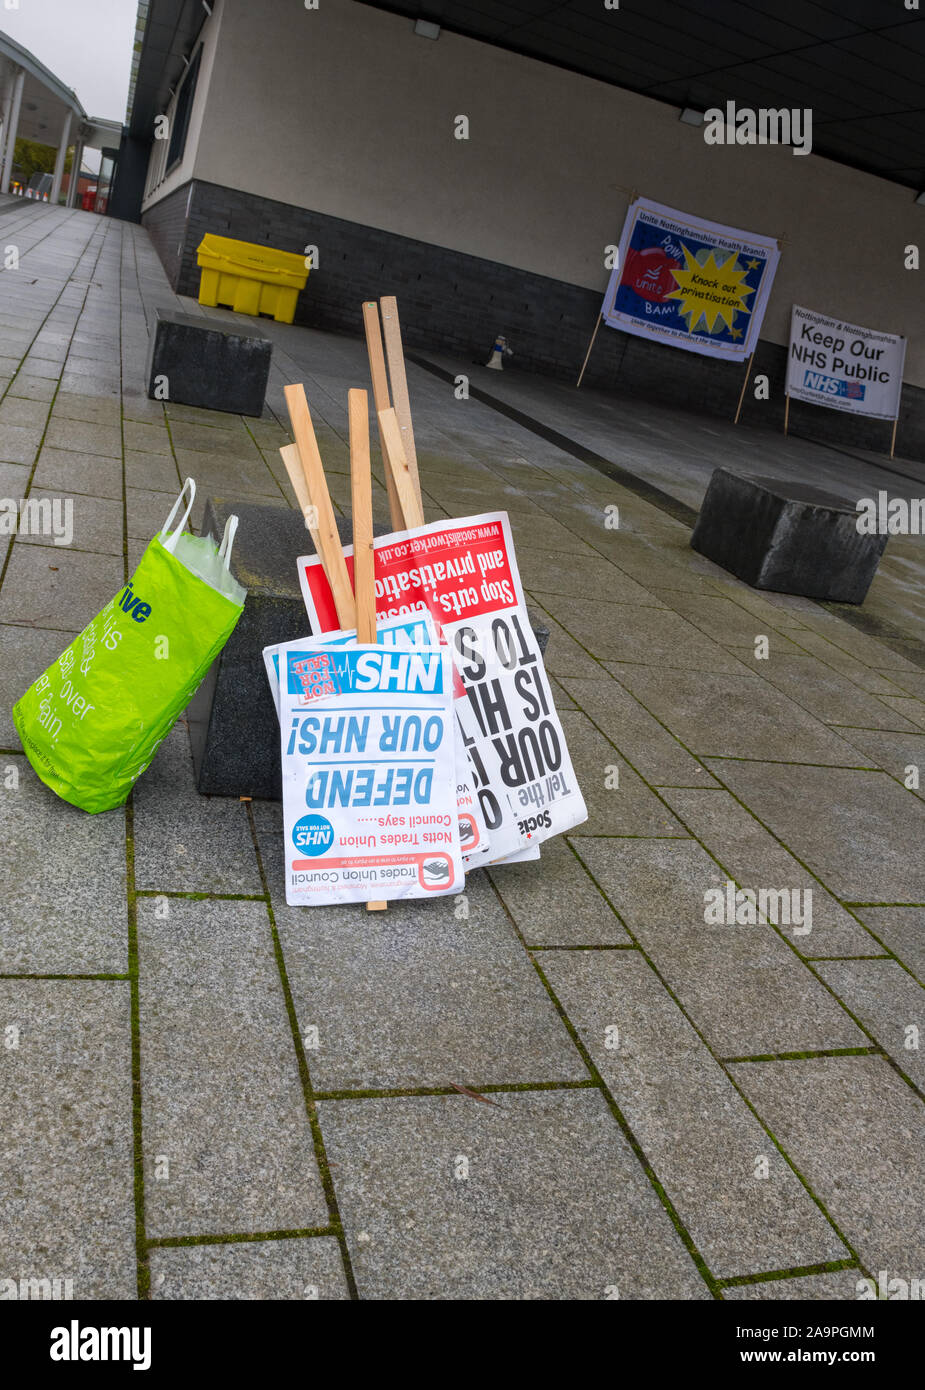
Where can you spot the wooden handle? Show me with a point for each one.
(381, 399)
(328, 542)
(396, 464)
(391, 332)
(361, 497)
(361, 500)
(293, 462)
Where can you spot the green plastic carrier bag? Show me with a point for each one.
(91, 724)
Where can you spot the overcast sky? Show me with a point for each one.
(86, 43)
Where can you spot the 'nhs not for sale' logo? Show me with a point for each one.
(833, 386)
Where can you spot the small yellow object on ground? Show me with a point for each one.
(248, 278)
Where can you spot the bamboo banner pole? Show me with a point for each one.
(361, 502)
(393, 452)
(381, 398)
(633, 194)
(748, 373)
(328, 542)
(600, 320)
(391, 332)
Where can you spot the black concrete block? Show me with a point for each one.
(790, 537)
(233, 725)
(210, 364)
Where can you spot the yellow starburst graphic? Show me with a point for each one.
(710, 291)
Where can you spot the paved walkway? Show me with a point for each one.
(207, 1094)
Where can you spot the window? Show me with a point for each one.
(181, 115)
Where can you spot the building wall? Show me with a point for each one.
(159, 183)
(334, 127)
(453, 304)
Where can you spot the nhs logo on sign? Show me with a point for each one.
(407, 671)
(832, 386)
(336, 671)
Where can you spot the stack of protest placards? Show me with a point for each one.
(418, 731)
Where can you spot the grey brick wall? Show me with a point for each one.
(166, 226)
(455, 304)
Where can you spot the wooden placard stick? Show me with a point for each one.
(328, 543)
(381, 399)
(393, 453)
(786, 413)
(361, 499)
(391, 332)
(293, 461)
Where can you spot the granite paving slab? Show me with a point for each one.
(70, 406)
(512, 1229)
(857, 831)
(54, 587)
(15, 410)
(742, 986)
(555, 903)
(81, 436)
(876, 680)
(841, 1284)
(902, 755)
(828, 694)
(628, 632)
(227, 475)
(77, 522)
(756, 860)
(14, 481)
(564, 657)
(293, 1269)
(738, 1197)
(66, 1140)
(25, 652)
(228, 1146)
(856, 1132)
(726, 622)
(858, 644)
(594, 580)
(618, 801)
(64, 913)
(902, 931)
(907, 708)
(151, 472)
(647, 744)
(888, 1002)
(733, 716)
(149, 438)
(66, 470)
(184, 842)
(456, 999)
